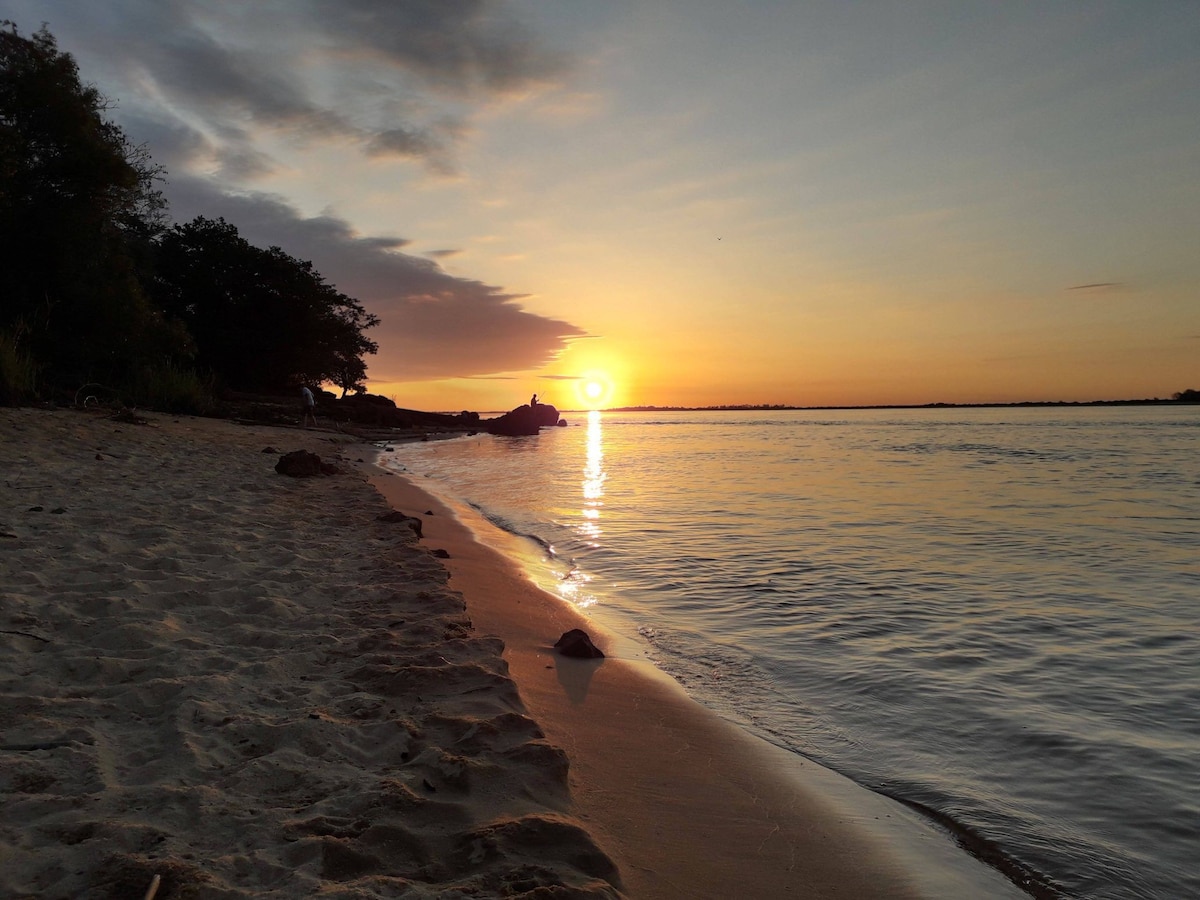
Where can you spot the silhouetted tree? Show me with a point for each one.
(261, 319)
(1191, 395)
(78, 207)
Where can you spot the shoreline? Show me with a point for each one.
(685, 802)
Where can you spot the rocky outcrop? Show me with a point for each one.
(404, 519)
(372, 409)
(302, 464)
(523, 420)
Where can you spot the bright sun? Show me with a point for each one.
(594, 389)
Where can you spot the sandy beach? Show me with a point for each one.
(246, 684)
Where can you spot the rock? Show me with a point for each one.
(576, 644)
(129, 417)
(440, 553)
(302, 464)
(269, 449)
(411, 521)
(524, 420)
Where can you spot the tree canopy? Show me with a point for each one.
(261, 319)
(95, 287)
(78, 204)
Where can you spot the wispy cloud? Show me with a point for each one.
(1099, 287)
(390, 79)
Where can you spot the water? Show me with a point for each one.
(992, 614)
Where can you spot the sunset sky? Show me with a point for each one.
(694, 203)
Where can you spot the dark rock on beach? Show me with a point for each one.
(411, 521)
(576, 644)
(524, 420)
(302, 464)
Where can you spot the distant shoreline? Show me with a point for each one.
(770, 407)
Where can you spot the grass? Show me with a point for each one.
(168, 388)
(18, 371)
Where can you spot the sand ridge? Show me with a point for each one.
(248, 684)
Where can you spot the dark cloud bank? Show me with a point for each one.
(197, 80)
(434, 324)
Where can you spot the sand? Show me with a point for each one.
(249, 685)
(252, 685)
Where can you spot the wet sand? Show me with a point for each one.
(688, 805)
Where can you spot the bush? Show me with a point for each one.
(168, 388)
(18, 372)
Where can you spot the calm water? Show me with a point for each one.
(994, 614)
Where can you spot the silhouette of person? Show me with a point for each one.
(309, 406)
(533, 400)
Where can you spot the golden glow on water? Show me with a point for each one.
(593, 477)
(573, 586)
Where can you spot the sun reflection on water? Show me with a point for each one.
(593, 478)
(573, 586)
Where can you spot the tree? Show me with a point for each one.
(261, 319)
(78, 206)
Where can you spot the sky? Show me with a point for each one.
(696, 203)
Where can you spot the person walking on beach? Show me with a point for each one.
(308, 407)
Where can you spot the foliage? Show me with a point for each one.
(261, 319)
(171, 389)
(18, 372)
(78, 207)
(1191, 395)
(98, 290)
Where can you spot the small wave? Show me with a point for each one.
(1034, 883)
(507, 525)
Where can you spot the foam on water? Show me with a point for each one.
(990, 614)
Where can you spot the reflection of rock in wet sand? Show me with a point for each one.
(248, 684)
(576, 659)
(575, 675)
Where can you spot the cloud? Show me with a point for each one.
(434, 325)
(392, 79)
(463, 46)
(443, 254)
(1099, 287)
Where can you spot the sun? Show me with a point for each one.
(594, 389)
